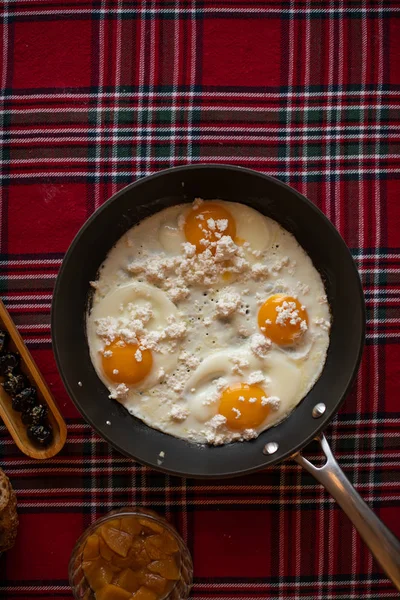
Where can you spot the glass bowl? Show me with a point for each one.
(80, 587)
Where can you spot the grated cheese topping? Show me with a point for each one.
(255, 377)
(179, 413)
(239, 364)
(237, 412)
(120, 392)
(323, 323)
(287, 313)
(227, 303)
(260, 345)
(272, 401)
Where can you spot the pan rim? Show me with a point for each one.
(320, 424)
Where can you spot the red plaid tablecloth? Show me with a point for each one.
(95, 94)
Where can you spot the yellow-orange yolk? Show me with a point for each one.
(127, 363)
(244, 406)
(208, 222)
(282, 319)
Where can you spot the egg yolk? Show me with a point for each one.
(244, 406)
(282, 319)
(127, 363)
(208, 222)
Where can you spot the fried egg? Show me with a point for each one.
(209, 322)
(127, 339)
(211, 219)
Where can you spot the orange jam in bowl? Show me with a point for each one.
(130, 554)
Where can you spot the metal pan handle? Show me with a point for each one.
(383, 544)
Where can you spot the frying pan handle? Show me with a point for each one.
(383, 544)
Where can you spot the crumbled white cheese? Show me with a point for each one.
(107, 353)
(138, 355)
(175, 383)
(249, 434)
(272, 401)
(323, 299)
(211, 224)
(217, 421)
(222, 224)
(255, 377)
(190, 360)
(143, 313)
(178, 413)
(189, 249)
(115, 371)
(106, 328)
(252, 400)
(239, 265)
(175, 331)
(153, 273)
(221, 383)
(260, 345)
(325, 325)
(237, 412)
(162, 454)
(278, 266)
(225, 249)
(287, 313)
(303, 325)
(241, 398)
(177, 293)
(120, 391)
(80, 383)
(227, 303)
(239, 363)
(177, 274)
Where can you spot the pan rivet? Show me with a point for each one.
(270, 448)
(318, 410)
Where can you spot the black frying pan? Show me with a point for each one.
(133, 438)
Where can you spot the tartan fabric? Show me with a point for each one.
(95, 94)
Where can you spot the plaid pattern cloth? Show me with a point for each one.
(95, 94)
